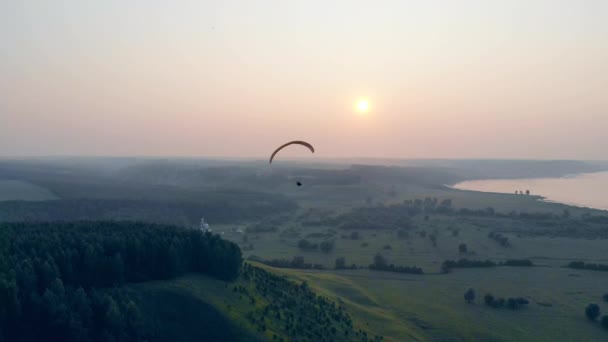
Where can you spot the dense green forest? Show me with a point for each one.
(59, 277)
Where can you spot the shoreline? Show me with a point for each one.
(542, 198)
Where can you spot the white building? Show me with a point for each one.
(205, 226)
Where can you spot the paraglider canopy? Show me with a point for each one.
(295, 142)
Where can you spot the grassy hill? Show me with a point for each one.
(260, 305)
(432, 308)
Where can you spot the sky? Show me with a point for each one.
(444, 79)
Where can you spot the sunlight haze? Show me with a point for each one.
(467, 79)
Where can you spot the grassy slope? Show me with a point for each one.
(407, 307)
(365, 307)
(175, 313)
(178, 303)
(182, 308)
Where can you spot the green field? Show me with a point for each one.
(16, 190)
(431, 306)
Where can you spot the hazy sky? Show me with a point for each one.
(456, 79)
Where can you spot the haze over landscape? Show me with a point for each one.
(445, 79)
(303, 171)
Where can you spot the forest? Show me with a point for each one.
(65, 278)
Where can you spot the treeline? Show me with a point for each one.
(509, 303)
(588, 266)
(219, 210)
(399, 216)
(380, 217)
(381, 264)
(297, 262)
(466, 263)
(326, 246)
(56, 273)
(500, 239)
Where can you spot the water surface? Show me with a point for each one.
(585, 190)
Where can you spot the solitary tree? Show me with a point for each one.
(327, 246)
(527, 192)
(592, 311)
(488, 299)
(469, 296)
(462, 248)
(379, 261)
(433, 238)
(340, 263)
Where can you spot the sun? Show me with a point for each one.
(363, 105)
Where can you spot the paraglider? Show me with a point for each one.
(296, 142)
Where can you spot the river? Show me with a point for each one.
(585, 190)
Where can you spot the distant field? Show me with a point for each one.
(419, 251)
(11, 190)
(432, 307)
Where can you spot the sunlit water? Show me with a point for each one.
(585, 190)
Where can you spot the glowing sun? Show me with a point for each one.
(363, 106)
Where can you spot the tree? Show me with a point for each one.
(605, 321)
(512, 303)
(340, 263)
(327, 246)
(462, 248)
(379, 261)
(298, 261)
(592, 311)
(307, 245)
(605, 297)
(433, 239)
(469, 296)
(527, 192)
(488, 299)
